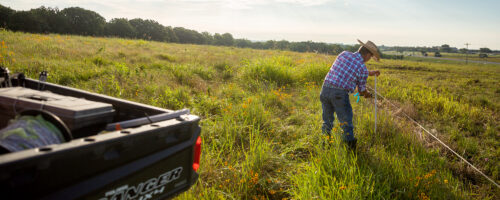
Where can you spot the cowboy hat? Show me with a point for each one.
(372, 48)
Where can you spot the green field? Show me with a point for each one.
(261, 116)
(460, 56)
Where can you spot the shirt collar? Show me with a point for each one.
(358, 55)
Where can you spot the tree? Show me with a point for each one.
(150, 30)
(5, 13)
(49, 20)
(188, 36)
(355, 48)
(257, 45)
(171, 37)
(25, 21)
(120, 27)
(227, 39)
(463, 50)
(299, 46)
(270, 44)
(84, 22)
(243, 43)
(336, 49)
(207, 38)
(282, 44)
(485, 50)
(445, 48)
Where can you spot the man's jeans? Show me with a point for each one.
(335, 100)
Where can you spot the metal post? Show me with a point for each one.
(375, 104)
(466, 53)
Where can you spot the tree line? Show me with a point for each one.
(79, 21)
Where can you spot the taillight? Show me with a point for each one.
(197, 153)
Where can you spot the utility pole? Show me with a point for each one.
(466, 52)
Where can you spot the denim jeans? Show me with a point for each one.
(335, 100)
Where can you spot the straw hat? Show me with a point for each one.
(372, 48)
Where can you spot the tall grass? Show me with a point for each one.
(261, 116)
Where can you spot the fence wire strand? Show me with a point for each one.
(441, 142)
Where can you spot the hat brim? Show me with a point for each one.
(375, 54)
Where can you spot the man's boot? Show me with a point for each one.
(352, 144)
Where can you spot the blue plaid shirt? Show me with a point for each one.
(347, 72)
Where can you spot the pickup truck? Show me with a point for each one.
(143, 152)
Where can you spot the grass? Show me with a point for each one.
(460, 56)
(261, 116)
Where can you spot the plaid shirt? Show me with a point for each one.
(347, 72)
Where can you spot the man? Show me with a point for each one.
(347, 72)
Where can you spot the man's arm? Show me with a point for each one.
(361, 83)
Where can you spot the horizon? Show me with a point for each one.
(393, 23)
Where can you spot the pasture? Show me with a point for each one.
(261, 116)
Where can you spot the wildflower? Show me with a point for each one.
(272, 192)
(445, 180)
(342, 187)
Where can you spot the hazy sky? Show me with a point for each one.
(388, 22)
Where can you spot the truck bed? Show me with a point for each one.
(149, 161)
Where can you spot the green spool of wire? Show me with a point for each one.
(32, 129)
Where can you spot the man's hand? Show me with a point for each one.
(374, 73)
(366, 94)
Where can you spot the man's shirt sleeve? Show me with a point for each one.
(362, 77)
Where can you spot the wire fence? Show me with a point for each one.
(432, 135)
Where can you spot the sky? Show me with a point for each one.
(384, 22)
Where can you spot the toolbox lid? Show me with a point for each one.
(16, 99)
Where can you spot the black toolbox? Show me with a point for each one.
(75, 112)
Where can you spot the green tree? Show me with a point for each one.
(25, 21)
(282, 44)
(150, 30)
(243, 43)
(485, 50)
(171, 34)
(445, 48)
(270, 44)
(84, 22)
(336, 49)
(120, 27)
(227, 39)
(207, 38)
(257, 45)
(299, 46)
(188, 36)
(5, 13)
